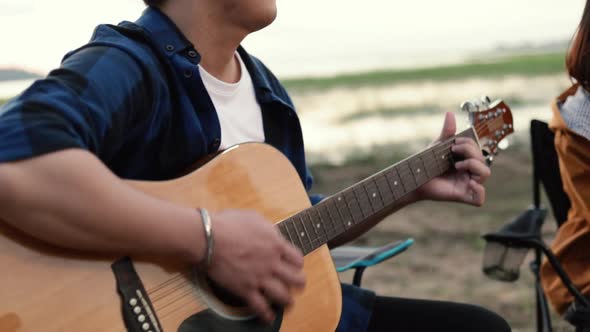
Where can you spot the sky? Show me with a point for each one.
(311, 36)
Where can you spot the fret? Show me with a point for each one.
(363, 199)
(416, 167)
(356, 215)
(444, 157)
(308, 221)
(307, 225)
(374, 194)
(290, 224)
(300, 233)
(318, 226)
(395, 183)
(449, 158)
(344, 210)
(337, 218)
(328, 226)
(308, 231)
(323, 224)
(306, 236)
(285, 231)
(384, 189)
(436, 161)
(406, 176)
(429, 170)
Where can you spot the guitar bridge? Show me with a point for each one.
(137, 309)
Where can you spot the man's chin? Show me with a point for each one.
(262, 21)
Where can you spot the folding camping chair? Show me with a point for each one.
(360, 258)
(506, 249)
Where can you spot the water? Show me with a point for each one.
(326, 135)
(329, 138)
(9, 89)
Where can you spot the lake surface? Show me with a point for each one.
(328, 137)
(10, 89)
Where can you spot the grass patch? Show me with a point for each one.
(527, 65)
(389, 112)
(3, 101)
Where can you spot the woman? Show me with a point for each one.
(571, 124)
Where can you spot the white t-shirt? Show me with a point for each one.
(238, 111)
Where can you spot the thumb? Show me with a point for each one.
(449, 126)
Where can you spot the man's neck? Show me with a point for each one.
(215, 39)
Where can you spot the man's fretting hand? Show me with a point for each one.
(464, 183)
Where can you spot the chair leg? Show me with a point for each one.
(358, 276)
(543, 316)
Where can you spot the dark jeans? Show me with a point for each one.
(405, 315)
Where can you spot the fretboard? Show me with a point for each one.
(315, 226)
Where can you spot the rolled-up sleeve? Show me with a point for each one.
(89, 103)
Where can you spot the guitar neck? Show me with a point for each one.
(315, 226)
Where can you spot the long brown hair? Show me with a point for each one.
(578, 57)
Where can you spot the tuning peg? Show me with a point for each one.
(485, 101)
(504, 144)
(469, 106)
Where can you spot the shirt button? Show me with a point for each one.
(215, 144)
(192, 54)
(188, 73)
(169, 48)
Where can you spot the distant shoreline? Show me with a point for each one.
(9, 89)
(13, 74)
(528, 64)
(531, 64)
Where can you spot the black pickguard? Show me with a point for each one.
(209, 321)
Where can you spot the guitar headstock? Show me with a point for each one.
(492, 122)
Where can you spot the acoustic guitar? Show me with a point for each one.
(47, 289)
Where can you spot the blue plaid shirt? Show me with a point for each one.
(133, 97)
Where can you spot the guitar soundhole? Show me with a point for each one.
(225, 296)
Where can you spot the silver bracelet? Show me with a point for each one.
(207, 225)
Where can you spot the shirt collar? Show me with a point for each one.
(259, 79)
(169, 40)
(163, 32)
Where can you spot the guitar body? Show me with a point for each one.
(43, 288)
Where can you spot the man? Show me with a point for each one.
(145, 101)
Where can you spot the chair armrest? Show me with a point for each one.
(352, 257)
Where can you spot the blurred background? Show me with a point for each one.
(371, 81)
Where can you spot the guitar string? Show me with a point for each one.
(191, 293)
(427, 162)
(178, 304)
(170, 290)
(180, 290)
(184, 295)
(164, 285)
(173, 300)
(162, 314)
